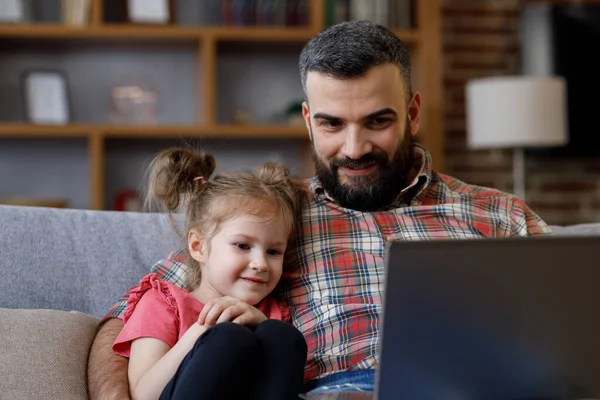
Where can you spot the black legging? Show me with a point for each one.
(230, 361)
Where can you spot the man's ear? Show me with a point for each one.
(306, 116)
(414, 113)
(197, 246)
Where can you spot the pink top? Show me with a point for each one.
(161, 310)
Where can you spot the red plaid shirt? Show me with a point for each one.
(334, 287)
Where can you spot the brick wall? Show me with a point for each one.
(480, 39)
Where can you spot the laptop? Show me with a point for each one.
(494, 319)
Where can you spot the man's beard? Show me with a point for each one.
(371, 192)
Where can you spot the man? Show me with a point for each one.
(373, 185)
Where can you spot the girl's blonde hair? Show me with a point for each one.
(180, 179)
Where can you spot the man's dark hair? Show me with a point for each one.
(349, 49)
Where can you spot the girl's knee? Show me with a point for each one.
(228, 333)
(278, 327)
(282, 331)
(229, 328)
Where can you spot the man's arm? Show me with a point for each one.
(107, 371)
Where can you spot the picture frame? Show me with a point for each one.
(14, 11)
(154, 12)
(46, 94)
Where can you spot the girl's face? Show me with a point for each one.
(243, 260)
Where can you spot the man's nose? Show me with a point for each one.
(356, 143)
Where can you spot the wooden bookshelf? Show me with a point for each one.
(424, 42)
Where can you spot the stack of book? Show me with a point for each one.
(264, 12)
(76, 12)
(396, 14)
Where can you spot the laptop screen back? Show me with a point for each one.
(491, 319)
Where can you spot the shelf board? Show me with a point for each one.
(16, 130)
(170, 32)
(123, 31)
(19, 130)
(262, 131)
(279, 34)
(224, 131)
(408, 36)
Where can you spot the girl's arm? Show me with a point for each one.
(152, 364)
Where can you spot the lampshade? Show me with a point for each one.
(516, 112)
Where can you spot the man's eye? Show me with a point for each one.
(242, 246)
(331, 124)
(381, 121)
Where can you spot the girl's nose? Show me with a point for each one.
(258, 264)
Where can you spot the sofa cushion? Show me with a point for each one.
(44, 353)
(590, 229)
(82, 260)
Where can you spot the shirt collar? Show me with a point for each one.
(421, 171)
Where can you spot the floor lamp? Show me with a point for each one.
(516, 112)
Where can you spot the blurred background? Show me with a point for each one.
(90, 90)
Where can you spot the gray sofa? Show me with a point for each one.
(61, 271)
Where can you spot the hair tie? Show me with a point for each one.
(201, 179)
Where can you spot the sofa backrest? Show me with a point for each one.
(84, 260)
(77, 259)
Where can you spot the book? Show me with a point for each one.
(389, 13)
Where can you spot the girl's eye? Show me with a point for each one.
(273, 252)
(242, 246)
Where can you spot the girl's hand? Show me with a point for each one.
(194, 332)
(230, 309)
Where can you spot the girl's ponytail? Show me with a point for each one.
(178, 174)
(281, 186)
(271, 173)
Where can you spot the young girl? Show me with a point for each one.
(225, 336)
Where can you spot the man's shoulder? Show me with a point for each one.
(489, 203)
(178, 256)
(488, 200)
(482, 201)
(173, 268)
(445, 187)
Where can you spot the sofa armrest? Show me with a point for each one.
(45, 353)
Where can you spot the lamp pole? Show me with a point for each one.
(519, 172)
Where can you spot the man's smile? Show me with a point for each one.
(360, 171)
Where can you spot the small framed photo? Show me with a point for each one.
(13, 11)
(46, 97)
(150, 11)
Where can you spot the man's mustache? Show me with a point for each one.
(365, 161)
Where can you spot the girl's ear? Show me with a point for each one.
(196, 245)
